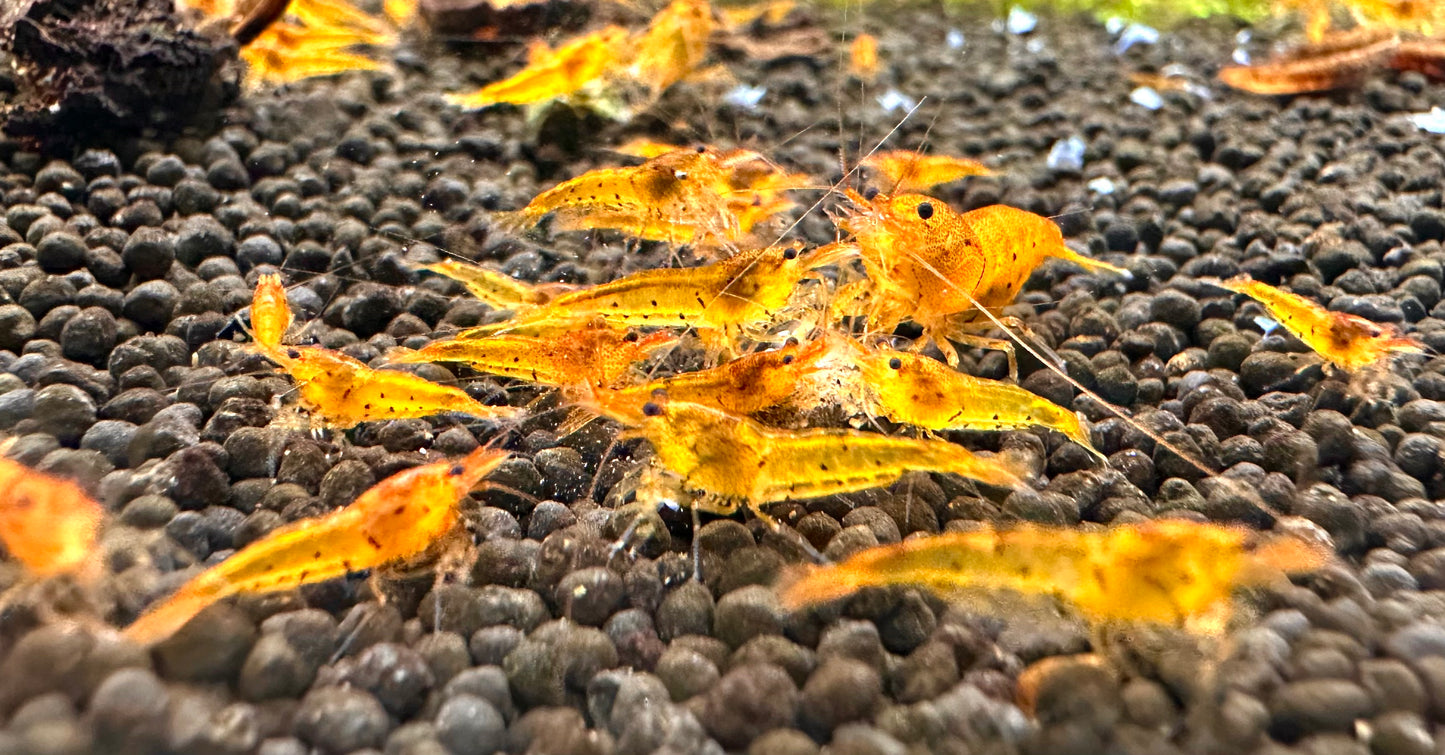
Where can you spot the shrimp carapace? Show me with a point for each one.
(47, 523)
(497, 289)
(736, 462)
(744, 386)
(674, 44)
(1163, 571)
(270, 314)
(916, 390)
(1344, 340)
(598, 357)
(724, 301)
(551, 74)
(676, 197)
(344, 392)
(397, 519)
(905, 171)
(930, 264)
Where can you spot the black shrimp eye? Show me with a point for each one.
(925, 210)
(631, 336)
(790, 254)
(701, 148)
(294, 354)
(792, 341)
(870, 193)
(651, 409)
(456, 470)
(788, 358)
(895, 364)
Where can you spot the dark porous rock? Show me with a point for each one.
(633, 634)
(395, 675)
(303, 463)
(687, 609)
(926, 673)
(60, 252)
(198, 481)
(506, 562)
(344, 482)
(149, 253)
(746, 613)
(489, 646)
(470, 725)
(556, 661)
(340, 720)
(371, 309)
(779, 651)
(748, 702)
(211, 647)
(109, 437)
(1319, 705)
(488, 682)
(63, 411)
(89, 336)
(840, 691)
(151, 304)
(686, 672)
(274, 670)
(17, 327)
(557, 730)
(129, 712)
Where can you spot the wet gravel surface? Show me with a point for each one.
(120, 366)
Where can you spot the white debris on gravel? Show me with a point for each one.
(1067, 155)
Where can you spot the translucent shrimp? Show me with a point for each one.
(47, 523)
(930, 264)
(744, 386)
(916, 390)
(675, 197)
(397, 519)
(1344, 340)
(724, 301)
(498, 290)
(344, 392)
(736, 462)
(674, 45)
(863, 57)
(1165, 571)
(270, 314)
(906, 171)
(551, 74)
(592, 358)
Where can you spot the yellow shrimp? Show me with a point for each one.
(1165, 571)
(736, 462)
(724, 301)
(344, 392)
(592, 358)
(930, 264)
(270, 314)
(552, 73)
(1344, 340)
(745, 386)
(398, 519)
(47, 523)
(497, 290)
(906, 171)
(916, 390)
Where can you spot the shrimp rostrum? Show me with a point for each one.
(939, 268)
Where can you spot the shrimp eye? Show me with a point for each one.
(788, 358)
(701, 148)
(925, 210)
(456, 470)
(680, 175)
(294, 354)
(651, 409)
(895, 364)
(790, 254)
(791, 341)
(631, 336)
(870, 193)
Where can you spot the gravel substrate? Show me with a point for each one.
(120, 366)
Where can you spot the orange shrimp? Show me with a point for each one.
(551, 74)
(674, 44)
(270, 314)
(398, 519)
(1164, 571)
(744, 386)
(592, 358)
(930, 264)
(724, 301)
(863, 57)
(735, 461)
(498, 290)
(48, 524)
(916, 390)
(907, 171)
(1344, 340)
(344, 392)
(674, 197)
